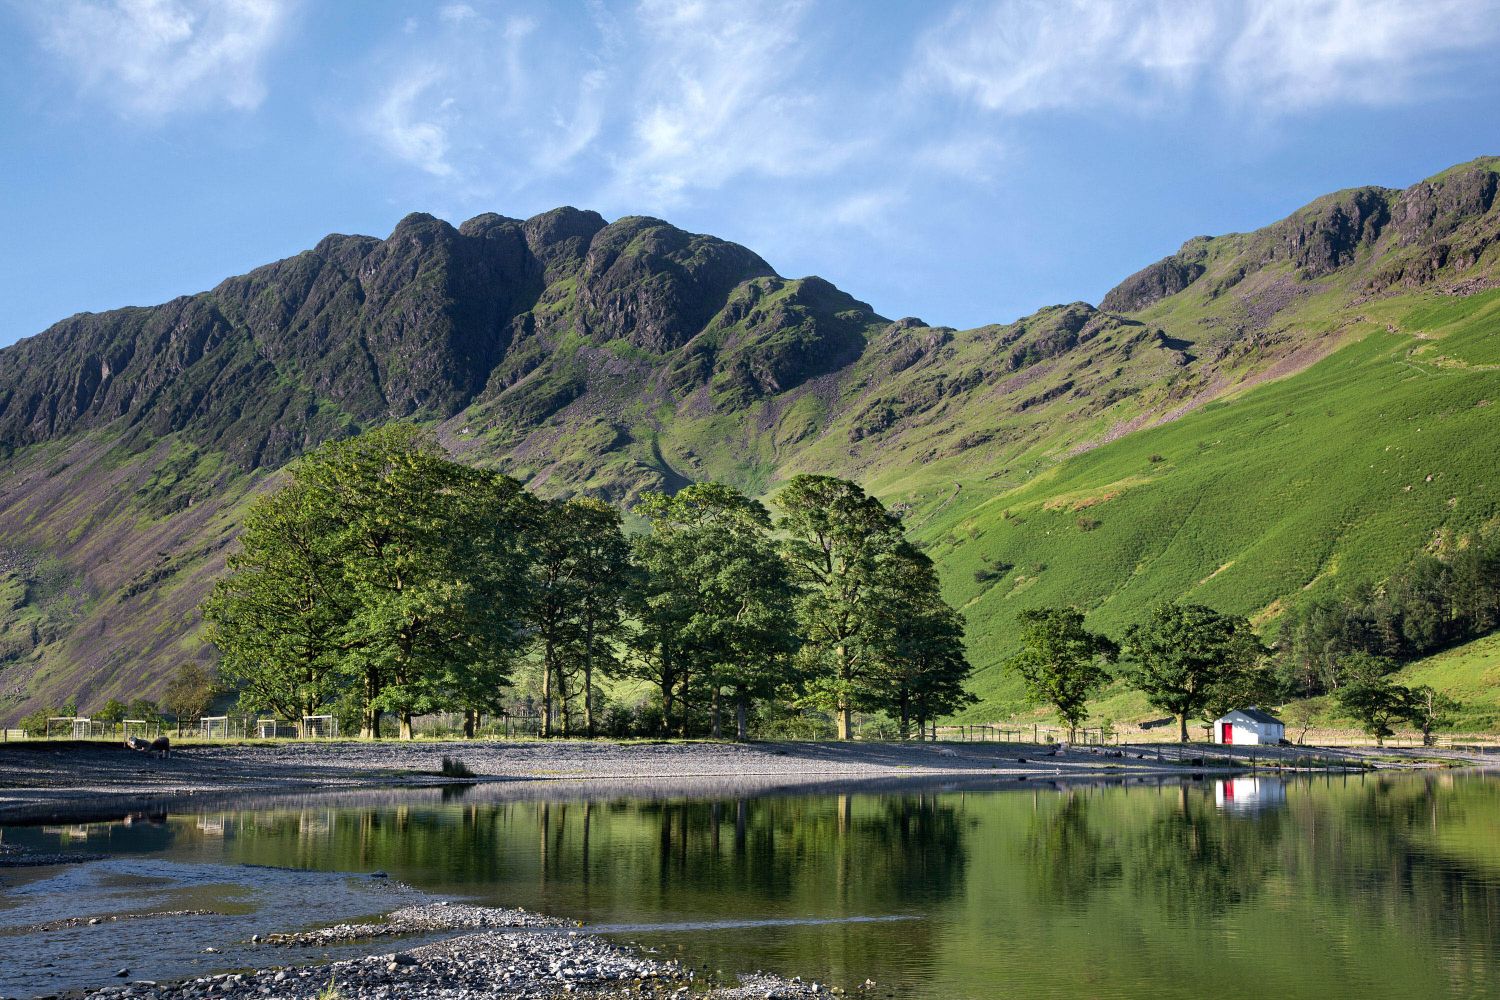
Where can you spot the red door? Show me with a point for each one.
(1226, 734)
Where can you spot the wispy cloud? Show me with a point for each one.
(722, 93)
(411, 121)
(1016, 57)
(154, 58)
(1297, 54)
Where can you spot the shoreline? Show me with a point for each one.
(68, 781)
(493, 951)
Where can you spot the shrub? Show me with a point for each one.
(455, 768)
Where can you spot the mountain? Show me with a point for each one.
(1247, 421)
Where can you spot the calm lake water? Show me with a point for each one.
(1358, 886)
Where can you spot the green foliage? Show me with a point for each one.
(190, 691)
(715, 603)
(1061, 662)
(1375, 703)
(434, 559)
(1429, 710)
(111, 711)
(583, 581)
(918, 640)
(278, 616)
(1187, 658)
(842, 545)
(452, 767)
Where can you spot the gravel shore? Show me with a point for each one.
(533, 958)
(87, 780)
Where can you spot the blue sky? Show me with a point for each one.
(964, 162)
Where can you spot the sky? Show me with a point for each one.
(965, 162)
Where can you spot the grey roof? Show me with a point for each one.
(1259, 716)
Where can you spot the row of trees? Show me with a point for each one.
(1187, 659)
(383, 577)
(1195, 662)
(1431, 604)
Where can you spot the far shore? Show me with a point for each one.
(80, 781)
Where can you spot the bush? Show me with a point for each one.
(35, 724)
(455, 768)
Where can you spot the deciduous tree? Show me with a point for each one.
(1184, 655)
(1062, 662)
(837, 539)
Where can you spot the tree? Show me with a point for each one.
(605, 578)
(435, 561)
(1061, 662)
(190, 692)
(111, 712)
(278, 617)
(838, 537)
(715, 602)
(1375, 703)
(582, 572)
(1182, 652)
(1429, 710)
(922, 663)
(1301, 714)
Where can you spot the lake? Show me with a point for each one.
(1368, 885)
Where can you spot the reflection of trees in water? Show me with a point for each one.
(1369, 846)
(1388, 833)
(1174, 849)
(1196, 861)
(829, 849)
(1069, 859)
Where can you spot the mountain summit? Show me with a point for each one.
(612, 357)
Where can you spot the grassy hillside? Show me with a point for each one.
(1333, 476)
(1254, 419)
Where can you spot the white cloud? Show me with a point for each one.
(457, 13)
(428, 92)
(718, 96)
(1294, 53)
(1020, 56)
(153, 58)
(411, 123)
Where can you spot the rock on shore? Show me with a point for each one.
(533, 957)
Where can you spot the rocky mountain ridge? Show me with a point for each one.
(589, 356)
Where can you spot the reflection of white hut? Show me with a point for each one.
(1248, 727)
(1246, 793)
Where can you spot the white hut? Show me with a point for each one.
(1248, 727)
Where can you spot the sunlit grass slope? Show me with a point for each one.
(1333, 476)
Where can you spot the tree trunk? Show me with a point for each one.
(844, 712)
(370, 723)
(405, 724)
(588, 681)
(742, 716)
(683, 731)
(471, 723)
(905, 718)
(370, 716)
(546, 731)
(717, 730)
(562, 702)
(1182, 736)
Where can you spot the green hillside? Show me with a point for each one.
(1253, 420)
(1335, 475)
